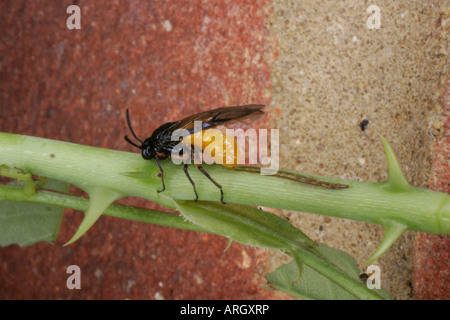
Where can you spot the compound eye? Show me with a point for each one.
(146, 154)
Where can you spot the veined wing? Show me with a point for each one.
(220, 116)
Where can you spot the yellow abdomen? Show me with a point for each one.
(220, 148)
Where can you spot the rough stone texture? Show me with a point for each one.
(332, 72)
(163, 60)
(431, 272)
(315, 63)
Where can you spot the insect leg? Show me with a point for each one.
(199, 167)
(162, 174)
(189, 177)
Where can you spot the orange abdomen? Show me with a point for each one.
(220, 148)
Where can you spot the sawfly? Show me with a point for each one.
(159, 145)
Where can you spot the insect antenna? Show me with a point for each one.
(132, 143)
(132, 132)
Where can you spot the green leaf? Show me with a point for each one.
(330, 273)
(313, 285)
(25, 223)
(244, 224)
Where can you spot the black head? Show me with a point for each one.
(148, 150)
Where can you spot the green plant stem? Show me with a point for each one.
(176, 221)
(89, 167)
(107, 175)
(114, 210)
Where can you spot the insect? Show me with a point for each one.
(159, 145)
(363, 124)
(364, 277)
